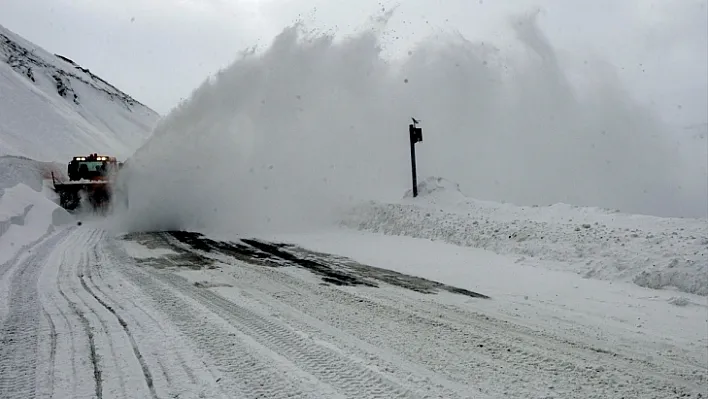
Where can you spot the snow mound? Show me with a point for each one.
(652, 252)
(26, 215)
(680, 301)
(15, 170)
(435, 189)
(53, 109)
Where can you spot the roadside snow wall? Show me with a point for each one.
(652, 252)
(26, 215)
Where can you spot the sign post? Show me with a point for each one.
(416, 135)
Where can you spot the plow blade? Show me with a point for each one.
(73, 195)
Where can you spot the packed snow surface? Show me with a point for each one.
(52, 109)
(553, 300)
(88, 312)
(598, 243)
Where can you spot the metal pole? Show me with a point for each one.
(413, 166)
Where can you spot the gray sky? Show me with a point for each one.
(159, 50)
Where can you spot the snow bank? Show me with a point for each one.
(15, 170)
(25, 216)
(288, 136)
(597, 243)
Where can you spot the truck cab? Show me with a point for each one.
(91, 167)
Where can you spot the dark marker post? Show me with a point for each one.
(416, 135)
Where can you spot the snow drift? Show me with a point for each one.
(287, 137)
(16, 170)
(52, 108)
(649, 251)
(26, 215)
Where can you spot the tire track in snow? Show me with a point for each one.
(474, 348)
(156, 325)
(70, 333)
(117, 371)
(92, 343)
(51, 300)
(166, 352)
(178, 353)
(52, 349)
(5, 267)
(115, 307)
(68, 343)
(101, 252)
(241, 372)
(491, 345)
(244, 367)
(273, 296)
(19, 331)
(112, 364)
(23, 252)
(552, 351)
(108, 374)
(350, 379)
(136, 351)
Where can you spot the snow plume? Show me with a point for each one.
(287, 137)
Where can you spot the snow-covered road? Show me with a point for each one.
(75, 327)
(83, 314)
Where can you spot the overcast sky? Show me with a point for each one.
(159, 50)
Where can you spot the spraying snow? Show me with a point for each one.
(288, 137)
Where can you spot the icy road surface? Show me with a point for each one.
(174, 315)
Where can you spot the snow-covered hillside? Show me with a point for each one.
(649, 251)
(52, 109)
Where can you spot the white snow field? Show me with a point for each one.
(303, 288)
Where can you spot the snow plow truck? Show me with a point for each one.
(90, 184)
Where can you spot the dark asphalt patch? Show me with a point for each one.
(391, 277)
(332, 269)
(239, 251)
(183, 258)
(328, 273)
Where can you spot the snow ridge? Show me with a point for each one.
(27, 62)
(649, 251)
(51, 108)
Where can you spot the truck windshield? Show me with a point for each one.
(93, 166)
